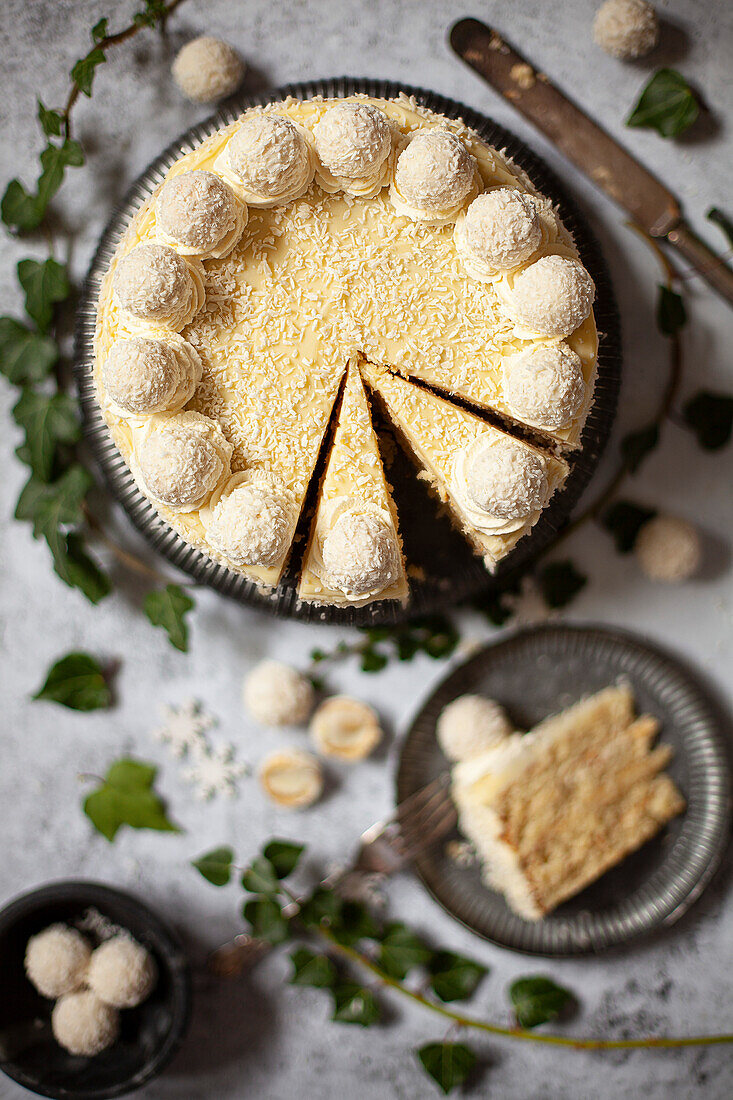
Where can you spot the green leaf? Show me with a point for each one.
(667, 105)
(216, 866)
(401, 950)
(100, 30)
(322, 907)
(76, 681)
(721, 219)
(50, 506)
(283, 856)
(710, 415)
(47, 420)
(153, 12)
(55, 159)
(75, 568)
(25, 357)
(266, 920)
(83, 71)
(624, 520)
(353, 1004)
(260, 877)
(671, 315)
(637, 445)
(537, 1000)
(372, 660)
(44, 284)
(454, 977)
(560, 582)
(354, 923)
(19, 209)
(51, 121)
(125, 797)
(449, 1064)
(312, 969)
(167, 607)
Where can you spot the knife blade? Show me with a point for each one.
(651, 205)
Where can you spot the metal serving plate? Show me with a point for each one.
(451, 572)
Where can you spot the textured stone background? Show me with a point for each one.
(260, 1038)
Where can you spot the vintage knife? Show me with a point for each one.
(651, 205)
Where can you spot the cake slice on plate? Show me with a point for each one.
(354, 553)
(495, 485)
(551, 810)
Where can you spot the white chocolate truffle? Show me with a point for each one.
(504, 479)
(276, 694)
(292, 779)
(144, 375)
(500, 230)
(543, 385)
(353, 140)
(154, 283)
(434, 175)
(182, 459)
(470, 725)
(207, 69)
(252, 524)
(57, 960)
(82, 1024)
(199, 214)
(360, 554)
(550, 297)
(345, 728)
(668, 549)
(271, 159)
(122, 973)
(626, 28)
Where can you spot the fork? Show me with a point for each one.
(386, 847)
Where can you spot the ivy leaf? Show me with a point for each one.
(51, 121)
(167, 607)
(721, 219)
(260, 877)
(25, 357)
(283, 856)
(354, 923)
(353, 1004)
(710, 415)
(76, 681)
(47, 422)
(100, 30)
(44, 284)
(312, 969)
(154, 12)
(560, 582)
(50, 506)
(83, 72)
(125, 797)
(266, 919)
(671, 315)
(372, 660)
(19, 209)
(75, 568)
(537, 1000)
(322, 907)
(449, 1064)
(401, 950)
(624, 520)
(667, 105)
(454, 977)
(55, 159)
(215, 866)
(637, 445)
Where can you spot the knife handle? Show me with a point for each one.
(713, 268)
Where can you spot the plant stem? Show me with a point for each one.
(131, 561)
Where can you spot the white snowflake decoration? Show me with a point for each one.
(215, 771)
(184, 728)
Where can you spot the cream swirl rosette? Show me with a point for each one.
(435, 177)
(151, 373)
(180, 460)
(154, 284)
(250, 519)
(269, 160)
(547, 299)
(499, 484)
(198, 214)
(543, 384)
(355, 550)
(355, 144)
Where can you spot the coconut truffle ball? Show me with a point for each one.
(154, 283)
(198, 211)
(668, 549)
(345, 728)
(121, 972)
(292, 779)
(434, 174)
(470, 725)
(252, 525)
(353, 140)
(206, 69)
(504, 479)
(360, 554)
(271, 158)
(277, 695)
(551, 297)
(183, 459)
(82, 1024)
(626, 28)
(56, 960)
(145, 375)
(544, 385)
(500, 230)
